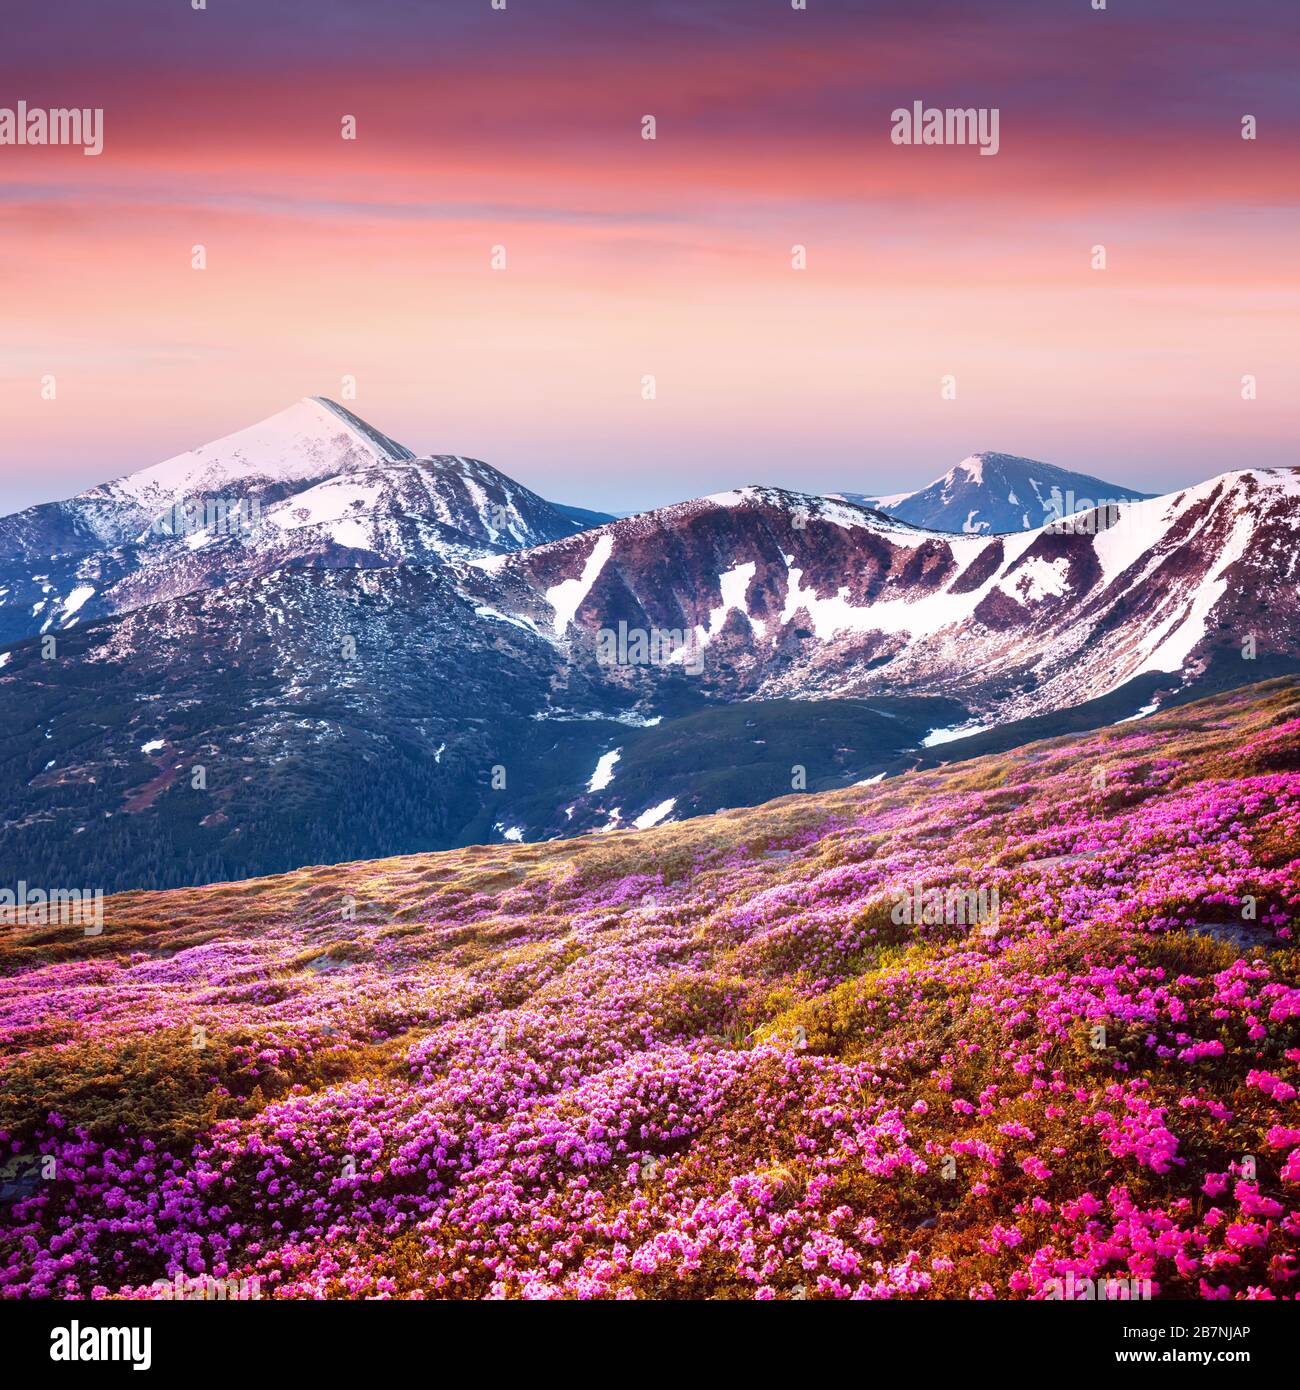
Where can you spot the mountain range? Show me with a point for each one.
(361, 652)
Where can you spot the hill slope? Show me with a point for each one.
(707, 1060)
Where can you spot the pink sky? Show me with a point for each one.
(670, 258)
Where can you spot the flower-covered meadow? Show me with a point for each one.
(705, 1060)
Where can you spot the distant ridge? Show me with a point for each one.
(991, 493)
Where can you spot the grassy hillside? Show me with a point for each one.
(706, 1060)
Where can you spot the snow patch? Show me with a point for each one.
(937, 736)
(76, 598)
(884, 504)
(919, 617)
(1038, 579)
(491, 564)
(566, 597)
(734, 584)
(604, 773)
(486, 611)
(335, 502)
(655, 814)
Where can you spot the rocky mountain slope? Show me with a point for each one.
(777, 594)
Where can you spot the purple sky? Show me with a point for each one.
(669, 258)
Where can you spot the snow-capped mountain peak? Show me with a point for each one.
(386, 448)
(312, 484)
(972, 469)
(991, 493)
(313, 438)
